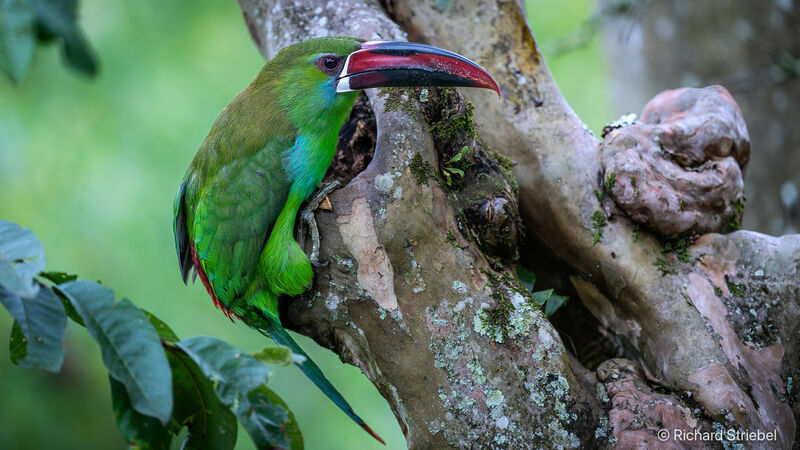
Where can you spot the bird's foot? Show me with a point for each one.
(308, 224)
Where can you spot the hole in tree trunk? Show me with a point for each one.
(356, 143)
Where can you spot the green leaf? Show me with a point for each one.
(78, 54)
(269, 421)
(58, 277)
(455, 171)
(56, 16)
(540, 297)
(72, 313)
(291, 428)
(460, 155)
(527, 277)
(17, 344)
(553, 303)
(211, 424)
(41, 321)
(130, 346)
(234, 372)
(279, 355)
(21, 257)
(140, 431)
(59, 18)
(163, 330)
(17, 38)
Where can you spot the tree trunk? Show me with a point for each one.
(421, 294)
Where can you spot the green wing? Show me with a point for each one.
(229, 217)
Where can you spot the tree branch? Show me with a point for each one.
(676, 338)
(419, 315)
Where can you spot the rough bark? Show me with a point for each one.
(680, 170)
(419, 298)
(751, 48)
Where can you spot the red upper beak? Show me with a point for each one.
(403, 64)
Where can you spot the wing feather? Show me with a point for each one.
(231, 218)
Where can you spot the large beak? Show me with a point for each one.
(403, 64)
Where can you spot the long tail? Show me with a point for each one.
(275, 330)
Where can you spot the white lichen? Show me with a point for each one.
(462, 304)
(502, 423)
(459, 287)
(521, 320)
(384, 182)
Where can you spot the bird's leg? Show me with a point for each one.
(307, 220)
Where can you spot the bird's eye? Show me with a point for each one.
(328, 63)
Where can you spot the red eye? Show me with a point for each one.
(328, 63)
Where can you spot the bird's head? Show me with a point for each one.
(317, 79)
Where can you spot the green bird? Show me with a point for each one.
(264, 156)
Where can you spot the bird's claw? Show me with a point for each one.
(307, 220)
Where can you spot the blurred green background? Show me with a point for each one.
(92, 166)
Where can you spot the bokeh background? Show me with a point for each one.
(92, 167)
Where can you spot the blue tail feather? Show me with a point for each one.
(276, 331)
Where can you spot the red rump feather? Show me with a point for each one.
(199, 270)
(372, 433)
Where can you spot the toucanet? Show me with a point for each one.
(264, 156)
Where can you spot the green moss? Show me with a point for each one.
(635, 233)
(633, 185)
(736, 289)
(508, 319)
(739, 206)
(736, 221)
(505, 162)
(611, 178)
(452, 240)
(457, 125)
(600, 195)
(598, 222)
(422, 170)
(677, 247)
(665, 266)
(605, 187)
(495, 322)
(717, 291)
(444, 93)
(400, 99)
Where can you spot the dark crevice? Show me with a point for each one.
(583, 335)
(356, 143)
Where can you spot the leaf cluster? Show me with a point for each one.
(547, 298)
(450, 167)
(26, 23)
(159, 383)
